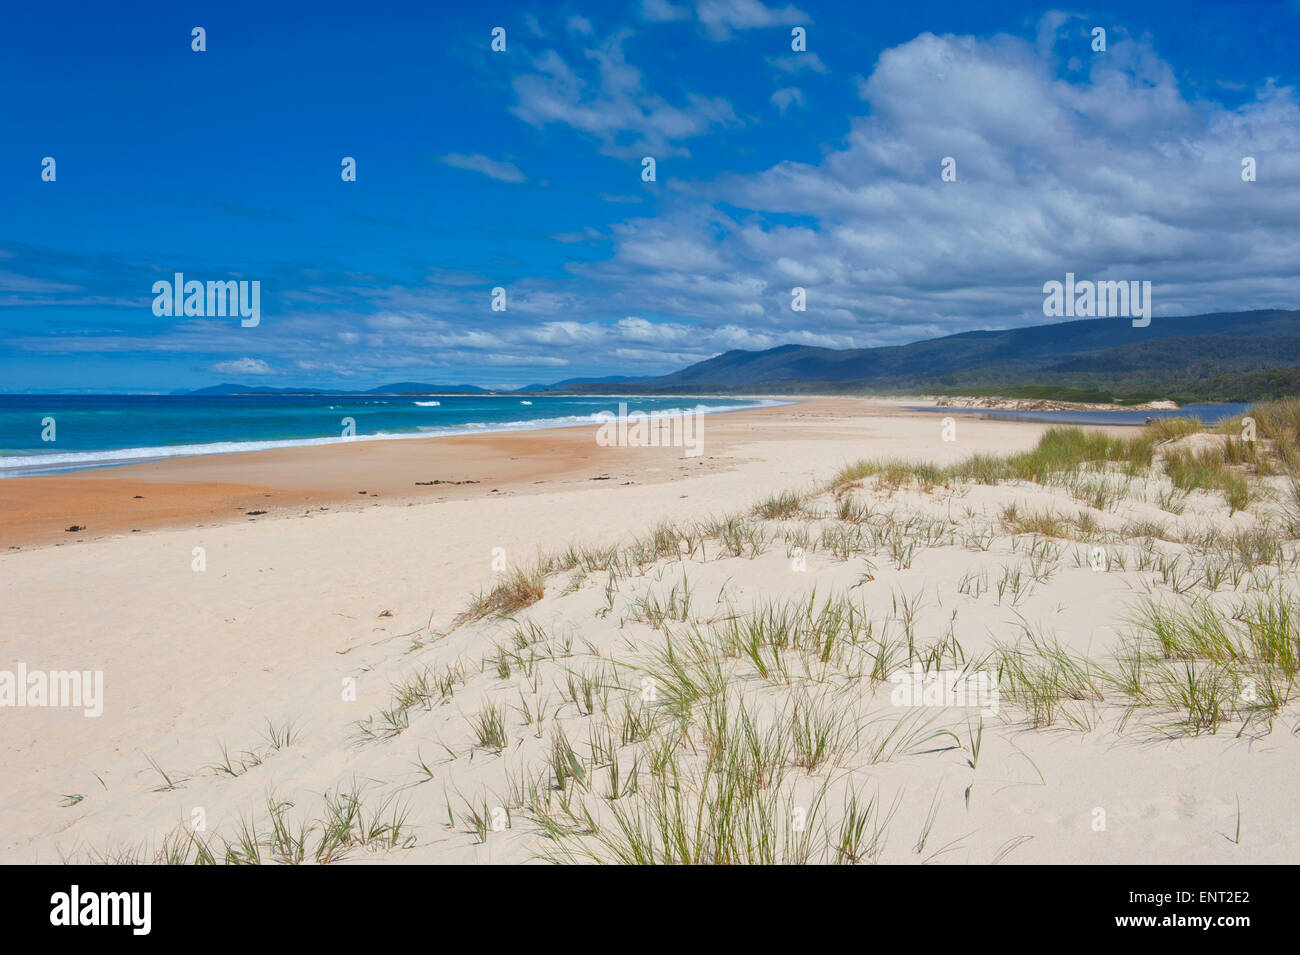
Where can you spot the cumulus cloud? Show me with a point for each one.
(1110, 171)
(606, 98)
(1114, 175)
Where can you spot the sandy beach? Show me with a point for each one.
(263, 670)
(222, 488)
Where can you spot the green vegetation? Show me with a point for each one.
(1062, 454)
(717, 724)
(1051, 392)
(519, 589)
(346, 825)
(1059, 450)
(784, 505)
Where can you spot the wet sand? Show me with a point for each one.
(216, 489)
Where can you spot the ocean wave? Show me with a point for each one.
(429, 404)
(32, 464)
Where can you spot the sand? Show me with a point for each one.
(332, 592)
(215, 489)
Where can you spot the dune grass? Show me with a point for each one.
(350, 821)
(1063, 454)
(781, 506)
(519, 589)
(1059, 451)
(744, 736)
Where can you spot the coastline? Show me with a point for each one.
(215, 636)
(52, 463)
(292, 601)
(217, 489)
(200, 489)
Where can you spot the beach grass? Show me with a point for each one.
(759, 726)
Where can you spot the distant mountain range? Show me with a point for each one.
(1233, 351)
(1112, 348)
(398, 388)
(607, 380)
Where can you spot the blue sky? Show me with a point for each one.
(522, 170)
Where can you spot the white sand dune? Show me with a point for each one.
(289, 613)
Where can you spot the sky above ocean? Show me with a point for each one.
(523, 170)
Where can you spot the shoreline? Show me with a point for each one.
(199, 491)
(222, 488)
(143, 454)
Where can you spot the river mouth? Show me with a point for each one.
(1209, 414)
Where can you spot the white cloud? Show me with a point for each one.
(242, 366)
(721, 17)
(493, 169)
(1117, 175)
(588, 234)
(610, 102)
(789, 96)
(662, 11)
(563, 333)
(533, 361)
(635, 329)
(1114, 173)
(795, 62)
(12, 282)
